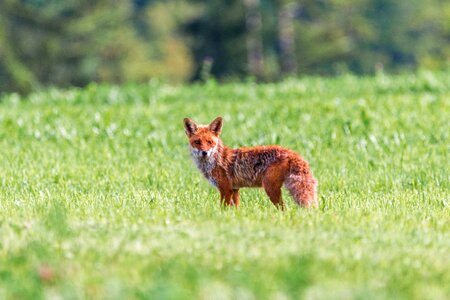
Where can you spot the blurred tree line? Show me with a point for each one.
(74, 42)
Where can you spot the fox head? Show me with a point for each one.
(203, 139)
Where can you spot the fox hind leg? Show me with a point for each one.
(272, 181)
(274, 194)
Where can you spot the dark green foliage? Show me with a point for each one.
(76, 42)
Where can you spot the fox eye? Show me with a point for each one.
(197, 142)
(209, 142)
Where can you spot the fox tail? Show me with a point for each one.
(301, 183)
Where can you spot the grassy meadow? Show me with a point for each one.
(99, 198)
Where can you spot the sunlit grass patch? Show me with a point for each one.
(100, 199)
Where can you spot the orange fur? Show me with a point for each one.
(262, 166)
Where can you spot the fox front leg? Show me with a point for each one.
(226, 191)
(236, 198)
(225, 188)
(225, 196)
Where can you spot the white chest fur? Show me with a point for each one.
(206, 166)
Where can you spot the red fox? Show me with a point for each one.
(263, 166)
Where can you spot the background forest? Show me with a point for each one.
(74, 42)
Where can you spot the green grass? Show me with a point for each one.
(99, 198)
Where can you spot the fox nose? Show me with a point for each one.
(204, 153)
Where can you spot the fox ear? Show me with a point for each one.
(189, 127)
(216, 126)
